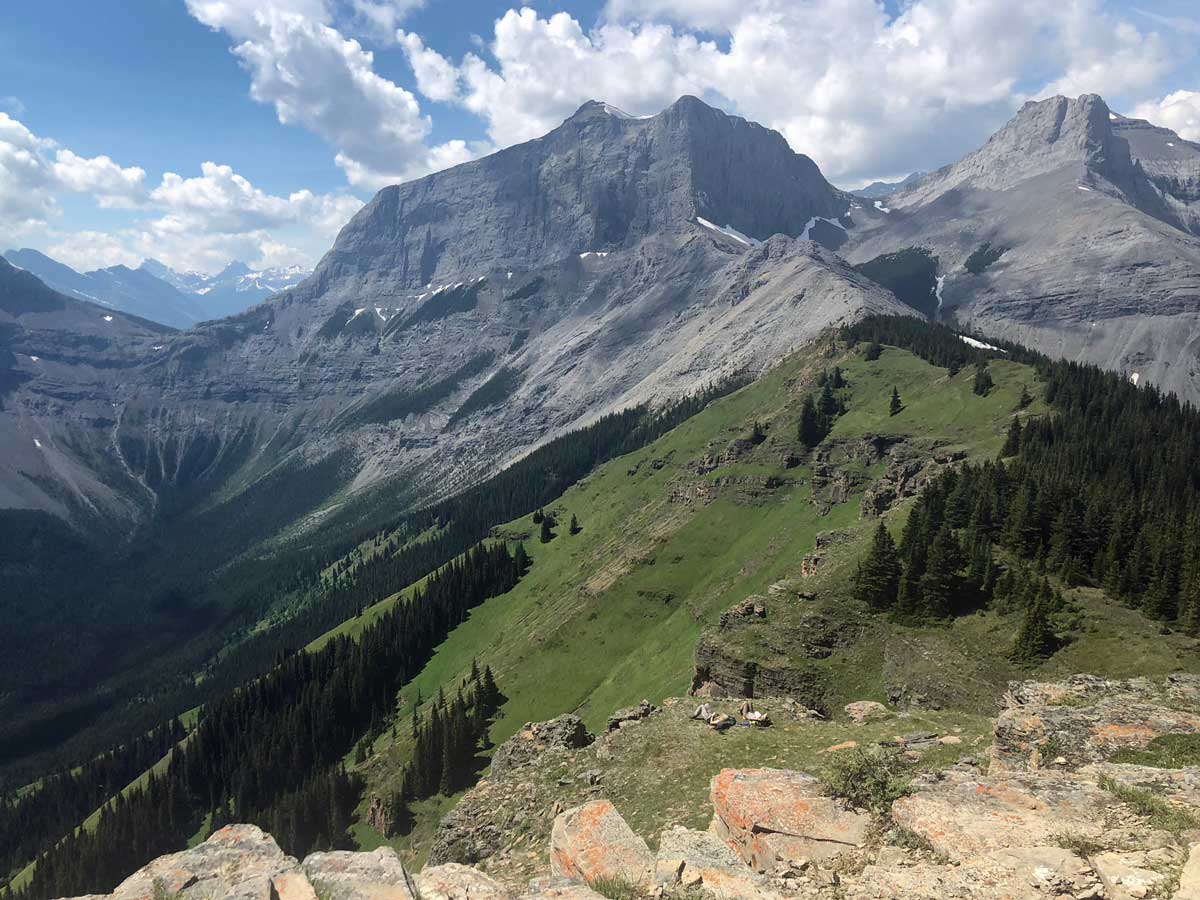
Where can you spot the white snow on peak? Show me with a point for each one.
(35, 359)
(587, 254)
(879, 206)
(616, 113)
(379, 312)
(108, 318)
(37, 443)
(1083, 188)
(730, 232)
(813, 221)
(358, 312)
(510, 276)
(1134, 378)
(1170, 143)
(158, 347)
(1113, 116)
(979, 345)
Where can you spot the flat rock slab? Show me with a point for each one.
(557, 887)
(347, 875)
(237, 862)
(700, 859)
(1029, 873)
(772, 818)
(1178, 785)
(453, 881)
(592, 842)
(965, 815)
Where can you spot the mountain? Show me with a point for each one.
(235, 288)
(878, 190)
(1072, 230)
(134, 291)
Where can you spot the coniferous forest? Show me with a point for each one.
(271, 752)
(1103, 492)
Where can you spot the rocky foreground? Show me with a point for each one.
(1075, 799)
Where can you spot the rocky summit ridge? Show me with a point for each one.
(1047, 812)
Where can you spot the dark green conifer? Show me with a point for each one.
(895, 406)
(877, 581)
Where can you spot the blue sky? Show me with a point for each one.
(280, 117)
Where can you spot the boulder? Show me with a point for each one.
(346, 875)
(562, 734)
(593, 842)
(239, 862)
(559, 888)
(630, 714)
(452, 881)
(964, 815)
(1189, 878)
(862, 710)
(773, 818)
(700, 859)
(1127, 875)
(293, 885)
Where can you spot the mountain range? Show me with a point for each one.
(156, 292)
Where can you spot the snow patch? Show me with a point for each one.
(37, 443)
(379, 312)
(1082, 188)
(590, 253)
(616, 113)
(1113, 116)
(730, 232)
(937, 290)
(1170, 143)
(879, 206)
(813, 221)
(108, 318)
(1134, 378)
(509, 276)
(979, 345)
(358, 312)
(35, 359)
(159, 347)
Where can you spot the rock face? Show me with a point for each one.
(1096, 217)
(564, 733)
(772, 818)
(700, 859)
(593, 843)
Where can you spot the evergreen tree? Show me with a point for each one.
(941, 584)
(873, 352)
(538, 517)
(877, 581)
(546, 535)
(811, 430)
(983, 380)
(1025, 399)
(574, 528)
(895, 406)
(1012, 443)
(1035, 639)
(757, 435)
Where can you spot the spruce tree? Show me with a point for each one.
(873, 352)
(546, 535)
(1012, 443)
(575, 529)
(983, 380)
(810, 430)
(877, 581)
(941, 585)
(895, 406)
(1035, 639)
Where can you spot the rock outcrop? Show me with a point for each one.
(593, 843)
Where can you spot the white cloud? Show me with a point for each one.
(84, 251)
(1179, 111)
(112, 185)
(437, 78)
(26, 182)
(860, 90)
(319, 79)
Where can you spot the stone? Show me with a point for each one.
(772, 817)
(700, 859)
(862, 710)
(623, 717)
(237, 861)
(1127, 874)
(292, 885)
(559, 888)
(963, 814)
(347, 875)
(561, 734)
(1189, 877)
(950, 739)
(452, 881)
(592, 841)
(844, 745)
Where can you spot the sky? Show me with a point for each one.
(201, 131)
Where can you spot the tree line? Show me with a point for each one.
(270, 753)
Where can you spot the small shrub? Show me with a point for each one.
(1079, 844)
(871, 778)
(1167, 751)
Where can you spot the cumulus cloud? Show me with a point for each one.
(317, 78)
(1179, 111)
(863, 91)
(437, 78)
(199, 222)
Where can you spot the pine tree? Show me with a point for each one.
(757, 435)
(873, 352)
(941, 585)
(983, 380)
(547, 535)
(538, 517)
(1035, 639)
(1025, 399)
(574, 528)
(827, 405)
(520, 559)
(811, 430)
(895, 406)
(1012, 443)
(877, 581)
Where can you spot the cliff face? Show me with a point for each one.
(1096, 217)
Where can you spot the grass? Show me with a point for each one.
(615, 888)
(1168, 751)
(871, 778)
(1161, 814)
